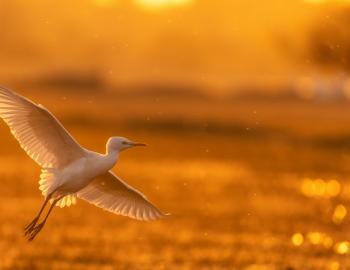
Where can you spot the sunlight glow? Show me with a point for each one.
(104, 3)
(163, 3)
(328, 1)
(315, 1)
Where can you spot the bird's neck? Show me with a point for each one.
(112, 157)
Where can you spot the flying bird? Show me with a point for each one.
(69, 171)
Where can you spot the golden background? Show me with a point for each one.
(244, 107)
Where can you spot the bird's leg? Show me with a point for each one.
(32, 224)
(35, 230)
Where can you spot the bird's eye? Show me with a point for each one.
(125, 142)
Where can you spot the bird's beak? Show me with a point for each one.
(137, 144)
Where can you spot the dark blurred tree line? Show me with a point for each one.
(328, 43)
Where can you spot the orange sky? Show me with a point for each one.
(207, 42)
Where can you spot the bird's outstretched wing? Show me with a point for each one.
(112, 194)
(39, 133)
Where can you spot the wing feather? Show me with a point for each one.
(112, 194)
(38, 132)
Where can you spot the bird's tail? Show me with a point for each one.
(49, 181)
(67, 200)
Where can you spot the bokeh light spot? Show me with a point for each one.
(315, 238)
(320, 188)
(339, 214)
(342, 247)
(297, 239)
(327, 241)
(333, 188)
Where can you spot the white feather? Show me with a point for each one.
(114, 195)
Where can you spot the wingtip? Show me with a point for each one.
(157, 216)
(6, 90)
(162, 216)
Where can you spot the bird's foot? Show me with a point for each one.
(34, 231)
(30, 226)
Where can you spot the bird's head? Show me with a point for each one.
(119, 144)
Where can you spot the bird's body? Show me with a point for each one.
(69, 170)
(79, 173)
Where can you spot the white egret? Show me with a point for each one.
(69, 170)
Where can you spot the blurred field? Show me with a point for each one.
(250, 183)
